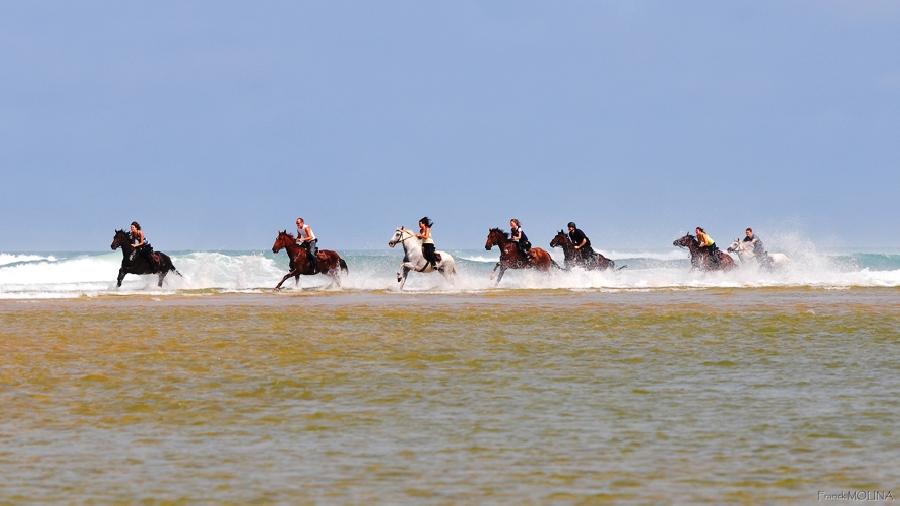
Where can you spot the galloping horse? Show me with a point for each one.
(414, 259)
(596, 262)
(744, 250)
(140, 265)
(511, 257)
(700, 259)
(328, 261)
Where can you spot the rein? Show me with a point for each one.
(404, 232)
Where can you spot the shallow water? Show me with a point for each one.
(73, 274)
(717, 396)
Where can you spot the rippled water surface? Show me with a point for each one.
(724, 395)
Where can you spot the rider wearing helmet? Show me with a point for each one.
(517, 234)
(428, 249)
(582, 243)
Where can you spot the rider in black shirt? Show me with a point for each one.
(517, 234)
(582, 243)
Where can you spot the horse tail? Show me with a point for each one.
(620, 268)
(343, 265)
(554, 264)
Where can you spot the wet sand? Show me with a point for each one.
(725, 395)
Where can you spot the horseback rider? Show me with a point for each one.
(759, 251)
(708, 245)
(517, 234)
(307, 239)
(581, 242)
(428, 250)
(140, 245)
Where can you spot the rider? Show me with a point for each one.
(140, 245)
(582, 243)
(517, 234)
(708, 244)
(425, 225)
(306, 238)
(759, 251)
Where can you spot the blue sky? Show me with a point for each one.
(217, 123)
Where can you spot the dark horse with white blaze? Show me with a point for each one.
(597, 262)
(140, 265)
(701, 258)
(328, 262)
(511, 257)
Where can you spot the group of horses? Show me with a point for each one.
(717, 260)
(330, 263)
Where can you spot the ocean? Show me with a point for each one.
(75, 274)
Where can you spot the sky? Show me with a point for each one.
(217, 123)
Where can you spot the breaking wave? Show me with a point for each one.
(92, 274)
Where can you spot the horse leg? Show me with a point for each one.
(297, 280)
(285, 278)
(162, 276)
(402, 276)
(494, 271)
(336, 276)
(500, 274)
(120, 278)
(448, 273)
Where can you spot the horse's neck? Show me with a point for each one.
(508, 249)
(568, 248)
(411, 246)
(293, 250)
(694, 247)
(127, 248)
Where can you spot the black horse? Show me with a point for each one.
(161, 263)
(597, 261)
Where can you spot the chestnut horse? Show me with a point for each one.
(511, 257)
(328, 261)
(597, 262)
(701, 259)
(139, 265)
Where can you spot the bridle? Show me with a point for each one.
(405, 235)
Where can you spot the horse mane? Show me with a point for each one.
(285, 232)
(498, 229)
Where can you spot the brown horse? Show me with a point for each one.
(512, 258)
(597, 262)
(328, 261)
(701, 258)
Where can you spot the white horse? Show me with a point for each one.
(414, 259)
(744, 250)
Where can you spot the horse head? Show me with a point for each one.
(685, 242)
(560, 239)
(495, 237)
(120, 238)
(735, 246)
(282, 241)
(398, 236)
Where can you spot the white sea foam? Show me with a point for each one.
(35, 276)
